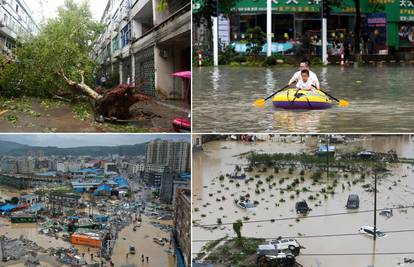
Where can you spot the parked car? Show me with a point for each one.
(302, 207)
(244, 204)
(369, 230)
(287, 244)
(353, 201)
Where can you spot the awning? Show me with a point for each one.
(183, 74)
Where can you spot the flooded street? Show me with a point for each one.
(379, 100)
(394, 190)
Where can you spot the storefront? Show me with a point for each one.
(387, 23)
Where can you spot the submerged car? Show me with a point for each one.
(302, 207)
(268, 255)
(287, 244)
(132, 250)
(353, 201)
(245, 204)
(369, 230)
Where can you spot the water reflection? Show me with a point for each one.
(379, 99)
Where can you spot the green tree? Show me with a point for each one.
(206, 12)
(237, 226)
(256, 38)
(61, 50)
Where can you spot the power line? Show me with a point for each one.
(343, 254)
(316, 236)
(304, 217)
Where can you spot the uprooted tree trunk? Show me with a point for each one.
(114, 103)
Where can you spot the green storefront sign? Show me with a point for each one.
(398, 11)
(401, 10)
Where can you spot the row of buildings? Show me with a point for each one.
(145, 41)
(388, 23)
(16, 21)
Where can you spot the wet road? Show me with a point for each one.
(216, 160)
(380, 100)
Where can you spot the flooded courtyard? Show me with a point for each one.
(330, 231)
(378, 97)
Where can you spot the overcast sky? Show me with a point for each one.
(77, 140)
(50, 8)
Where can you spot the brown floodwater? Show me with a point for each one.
(143, 242)
(215, 160)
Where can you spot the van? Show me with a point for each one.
(353, 201)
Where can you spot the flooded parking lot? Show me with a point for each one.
(378, 99)
(395, 189)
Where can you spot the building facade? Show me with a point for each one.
(389, 24)
(16, 21)
(182, 225)
(145, 43)
(174, 154)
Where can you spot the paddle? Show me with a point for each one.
(341, 102)
(261, 102)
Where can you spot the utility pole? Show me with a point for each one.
(215, 34)
(325, 14)
(269, 28)
(327, 156)
(375, 206)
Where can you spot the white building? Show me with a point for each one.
(15, 21)
(144, 44)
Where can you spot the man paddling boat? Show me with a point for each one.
(297, 77)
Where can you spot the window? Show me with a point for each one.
(115, 44)
(126, 35)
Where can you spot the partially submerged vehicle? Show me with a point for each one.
(287, 244)
(268, 255)
(387, 213)
(353, 201)
(132, 250)
(159, 241)
(245, 204)
(302, 207)
(238, 176)
(369, 230)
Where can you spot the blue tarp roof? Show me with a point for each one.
(7, 208)
(121, 181)
(103, 187)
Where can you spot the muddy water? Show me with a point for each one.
(215, 161)
(379, 100)
(143, 243)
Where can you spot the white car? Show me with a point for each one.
(369, 230)
(287, 244)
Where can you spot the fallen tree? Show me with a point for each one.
(65, 68)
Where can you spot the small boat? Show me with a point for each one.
(301, 99)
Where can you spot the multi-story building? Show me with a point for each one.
(144, 42)
(182, 225)
(16, 21)
(175, 155)
(25, 165)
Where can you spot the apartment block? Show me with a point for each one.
(145, 42)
